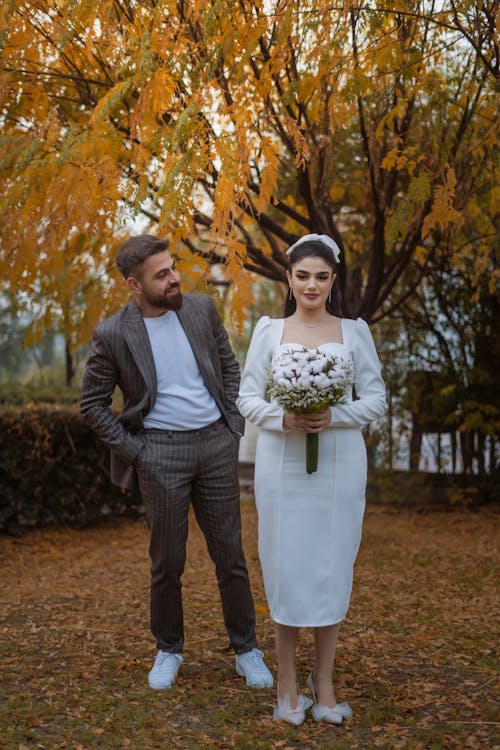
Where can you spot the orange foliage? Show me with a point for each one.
(234, 128)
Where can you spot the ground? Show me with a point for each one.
(415, 660)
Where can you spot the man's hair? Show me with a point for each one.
(136, 250)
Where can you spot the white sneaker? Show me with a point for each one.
(250, 665)
(162, 675)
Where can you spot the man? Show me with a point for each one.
(177, 436)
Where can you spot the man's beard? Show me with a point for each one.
(168, 301)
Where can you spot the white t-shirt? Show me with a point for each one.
(183, 401)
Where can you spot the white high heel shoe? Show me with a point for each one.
(335, 715)
(284, 711)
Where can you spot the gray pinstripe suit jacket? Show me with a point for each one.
(121, 356)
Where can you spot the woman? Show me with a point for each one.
(310, 524)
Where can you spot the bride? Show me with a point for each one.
(310, 524)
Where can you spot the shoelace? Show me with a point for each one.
(163, 656)
(255, 659)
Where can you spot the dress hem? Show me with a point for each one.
(308, 625)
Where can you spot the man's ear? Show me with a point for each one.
(134, 285)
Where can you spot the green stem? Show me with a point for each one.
(312, 441)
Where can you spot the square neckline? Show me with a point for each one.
(311, 348)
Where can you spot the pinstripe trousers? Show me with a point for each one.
(174, 469)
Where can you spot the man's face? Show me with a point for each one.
(158, 287)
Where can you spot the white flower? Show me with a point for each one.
(304, 379)
(316, 366)
(322, 380)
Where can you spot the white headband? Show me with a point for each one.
(323, 238)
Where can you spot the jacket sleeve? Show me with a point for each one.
(251, 401)
(99, 382)
(230, 371)
(369, 386)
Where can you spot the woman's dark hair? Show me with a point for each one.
(136, 250)
(314, 249)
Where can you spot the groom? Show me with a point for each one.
(177, 439)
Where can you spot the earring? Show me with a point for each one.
(290, 293)
(330, 295)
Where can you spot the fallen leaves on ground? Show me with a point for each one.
(415, 659)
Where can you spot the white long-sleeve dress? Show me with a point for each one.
(310, 524)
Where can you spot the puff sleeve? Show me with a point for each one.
(369, 386)
(252, 401)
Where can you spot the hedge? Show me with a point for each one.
(38, 392)
(54, 469)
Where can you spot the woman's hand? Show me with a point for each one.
(307, 422)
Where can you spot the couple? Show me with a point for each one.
(177, 439)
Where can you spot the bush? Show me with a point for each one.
(54, 469)
(417, 488)
(38, 392)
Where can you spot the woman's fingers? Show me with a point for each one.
(307, 422)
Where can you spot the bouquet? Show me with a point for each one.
(309, 380)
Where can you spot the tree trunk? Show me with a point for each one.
(415, 446)
(70, 364)
(466, 444)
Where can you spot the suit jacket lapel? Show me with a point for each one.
(137, 338)
(195, 328)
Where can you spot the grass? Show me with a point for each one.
(416, 657)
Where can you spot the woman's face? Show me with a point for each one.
(310, 281)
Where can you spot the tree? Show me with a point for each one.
(17, 361)
(236, 127)
(453, 324)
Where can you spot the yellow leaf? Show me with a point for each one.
(442, 212)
